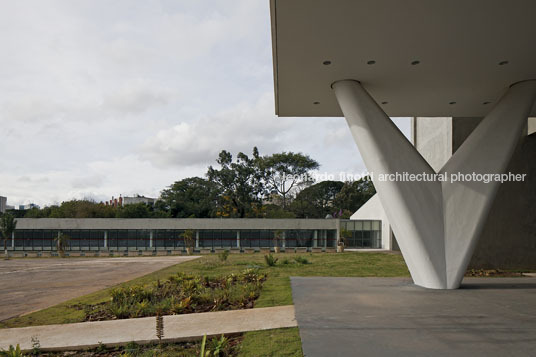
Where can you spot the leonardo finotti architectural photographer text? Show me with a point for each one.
(411, 177)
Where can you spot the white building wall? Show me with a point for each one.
(139, 199)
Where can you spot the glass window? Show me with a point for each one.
(74, 239)
(113, 239)
(291, 238)
(122, 239)
(266, 238)
(132, 238)
(228, 239)
(250, 238)
(96, 239)
(205, 239)
(144, 238)
(375, 225)
(48, 239)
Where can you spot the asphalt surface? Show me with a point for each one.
(27, 285)
(392, 317)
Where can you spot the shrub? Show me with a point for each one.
(13, 352)
(219, 347)
(301, 260)
(270, 260)
(223, 255)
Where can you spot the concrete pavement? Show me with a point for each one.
(392, 317)
(33, 284)
(142, 330)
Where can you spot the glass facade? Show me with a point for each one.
(365, 234)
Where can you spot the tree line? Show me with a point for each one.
(280, 185)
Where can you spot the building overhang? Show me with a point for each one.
(468, 54)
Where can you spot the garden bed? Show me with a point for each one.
(181, 293)
(493, 273)
(217, 347)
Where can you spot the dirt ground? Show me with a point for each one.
(27, 285)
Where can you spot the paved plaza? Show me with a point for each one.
(392, 317)
(34, 284)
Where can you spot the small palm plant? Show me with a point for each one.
(62, 240)
(189, 238)
(7, 226)
(270, 260)
(343, 239)
(278, 237)
(14, 351)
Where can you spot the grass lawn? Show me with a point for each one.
(276, 290)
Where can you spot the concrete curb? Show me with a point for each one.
(186, 327)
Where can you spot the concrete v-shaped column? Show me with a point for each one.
(436, 223)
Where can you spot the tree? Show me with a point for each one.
(354, 194)
(285, 172)
(73, 209)
(190, 197)
(275, 211)
(137, 210)
(8, 224)
(239, 183)
(317, 201)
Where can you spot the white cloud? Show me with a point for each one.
(101, 98)
(136, 99)
(237, 129)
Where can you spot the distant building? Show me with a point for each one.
(28, 206)
(3, 204)
(121, 201)
(138, 199)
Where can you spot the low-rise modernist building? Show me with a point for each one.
(115, 234)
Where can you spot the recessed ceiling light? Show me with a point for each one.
(451, 103)
(371, 62)
(414, 63)
(316, 103)
(326, 63)
(385, 102)
(485, 103)
(502, 63)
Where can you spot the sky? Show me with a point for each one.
(102, 98)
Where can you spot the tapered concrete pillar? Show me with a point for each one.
(436, 222)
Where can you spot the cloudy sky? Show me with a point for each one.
(101, 98)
